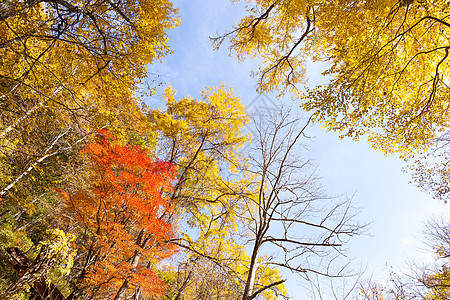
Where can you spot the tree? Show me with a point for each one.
(398, 288)
(123, 220)
(436, 278)
(388, 65)
(202, 137)
(287, 211)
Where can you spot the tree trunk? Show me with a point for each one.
(251, 273)
(136, 257)
(30, 275)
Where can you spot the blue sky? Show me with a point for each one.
(396, 209)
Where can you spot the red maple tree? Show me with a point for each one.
(124, 219)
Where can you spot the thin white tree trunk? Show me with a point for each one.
(33, 165)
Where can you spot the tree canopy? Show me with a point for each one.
(387, 63)
(103, 196)
(387, 68)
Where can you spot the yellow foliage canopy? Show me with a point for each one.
(388, 63)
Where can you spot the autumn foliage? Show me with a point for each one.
(124, 217)
(92, 212)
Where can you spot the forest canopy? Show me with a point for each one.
(105, 196)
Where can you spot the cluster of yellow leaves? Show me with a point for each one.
(88, 63)
(438, 285)
(390, 74)
(389, 68)
(202, 137)
(10, 237)
(59, 248)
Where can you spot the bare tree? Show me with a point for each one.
(288, 213)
